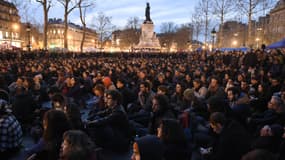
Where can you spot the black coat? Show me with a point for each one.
(232, 143)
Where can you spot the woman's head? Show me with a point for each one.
(170, 131)
(76, 145)
(55, 123)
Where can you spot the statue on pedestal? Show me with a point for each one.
(147, 13)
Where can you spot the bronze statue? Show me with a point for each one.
(147, 12)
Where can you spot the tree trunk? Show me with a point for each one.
(45, 25)
(65, 28)
(83, 38)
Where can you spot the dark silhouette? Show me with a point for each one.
(147, 13)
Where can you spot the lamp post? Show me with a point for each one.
(213, 33)
(15, 28)
(28, 29)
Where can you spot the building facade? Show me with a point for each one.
(276, 26)
(55, 36)
(234, 35)
(9, 26)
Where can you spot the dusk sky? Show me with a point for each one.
(178, 11)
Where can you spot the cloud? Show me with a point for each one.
(178, 11)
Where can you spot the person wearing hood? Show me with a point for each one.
(147, 148)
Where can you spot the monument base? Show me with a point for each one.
(148, 40)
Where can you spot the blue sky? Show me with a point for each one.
(177, 11)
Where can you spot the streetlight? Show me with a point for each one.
(213, 33)
(257, 42)
(28, 29)
(15, 28)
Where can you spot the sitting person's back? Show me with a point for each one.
(10, 132)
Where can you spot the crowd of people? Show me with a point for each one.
(214, 105)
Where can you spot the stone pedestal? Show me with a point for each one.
(148, 39)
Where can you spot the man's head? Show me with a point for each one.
(113, 98)
(217, 121)
(144, 87)
(159, 103)
(233, 93)
(276, 104)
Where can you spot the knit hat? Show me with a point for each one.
(107, 81)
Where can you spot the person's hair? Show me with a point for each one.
(116, 95)
(259, 154)
(146, 84)
(100, 88)
(58, 101)
(234, 90)
(57, 124)
(197, 81)
(74, 116)
(278, 100)
(163, 88)
(80, 146)
(162, 101)
(217, 117)
(172, 132)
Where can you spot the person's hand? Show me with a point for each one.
(265, 131)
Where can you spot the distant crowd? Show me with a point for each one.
(160, 106)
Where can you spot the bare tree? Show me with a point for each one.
(168, 27)
(103, 26)
(251, 8)
(46, 4)
(203, 9)
(197, 23)
(69, 6)
(133, 23)
(221, 8)
(83, 6)
(183, 36)
(24, 8)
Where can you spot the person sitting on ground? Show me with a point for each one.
(147, 148)
(232, 142)
(55, 123)
(10, 132)
(110, 128)
(171, 133)
(160, 110)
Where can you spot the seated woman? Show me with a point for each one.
(170, 132)
(55, 123)
(77, 145)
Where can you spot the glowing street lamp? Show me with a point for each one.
(257, 42)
